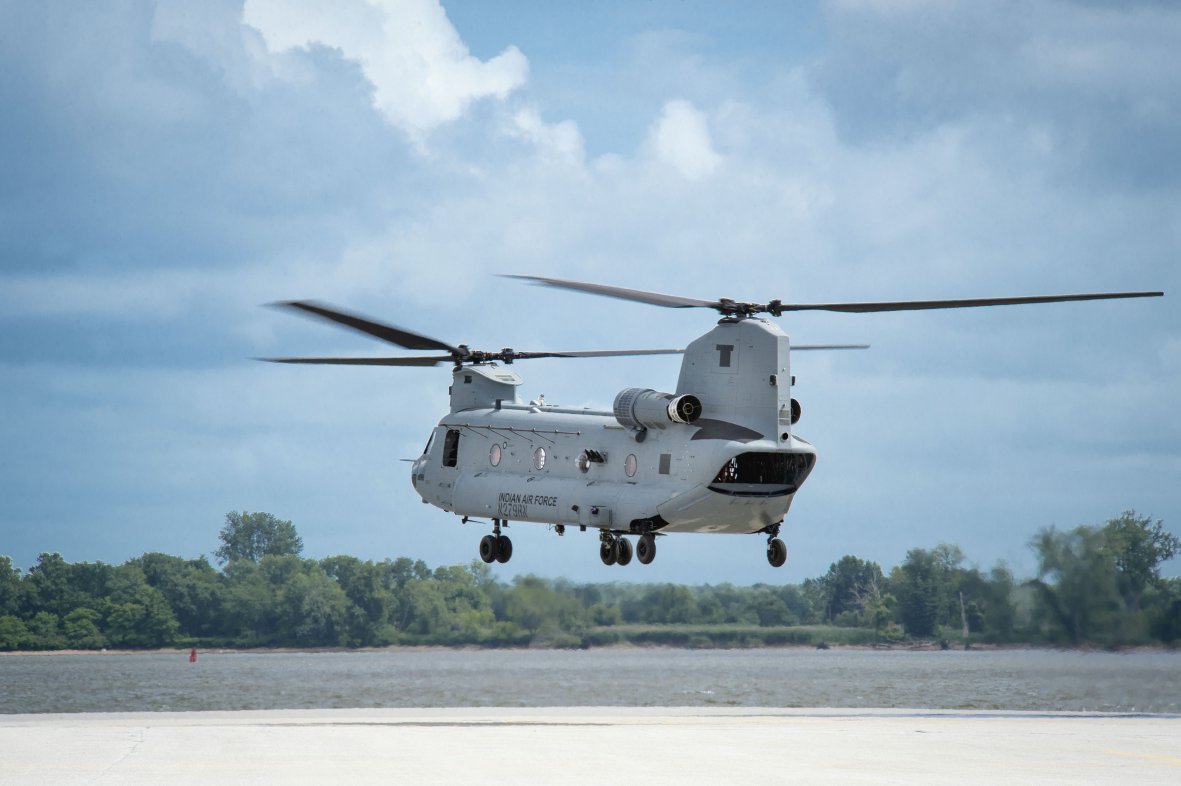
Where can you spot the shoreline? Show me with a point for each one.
(924, 646)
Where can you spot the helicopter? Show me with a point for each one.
(718, 455)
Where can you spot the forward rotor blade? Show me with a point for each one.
(389, 333)
(410, 361)
(919, 305)
(639, 295)
(799, 347)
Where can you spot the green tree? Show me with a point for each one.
(45, 632)
(372, 601)
(137, 614)
(663, 604)
(11, 591)
(251, 536)
(1138, 546)
(1165, 621)
(1102, 584)
(81, 629)
(286, 601)
(991, 598)
(1077, 585)
(423, 609)
(193, 589)
(50, 587)
(469, 609)
(722, 604)
(314, 610)
(851, 587)
(14, 634)
(769, 607)
(534, 605)
(919, 586)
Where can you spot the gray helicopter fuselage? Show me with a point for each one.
(717, 456)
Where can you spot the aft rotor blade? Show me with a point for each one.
(799, 347)
(596, 353)
(639, 295)
(394, 335)
(743, 309)
(919, 305)
(410, 361)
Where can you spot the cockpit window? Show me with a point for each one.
(763, 474)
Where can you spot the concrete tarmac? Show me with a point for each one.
(588, 745)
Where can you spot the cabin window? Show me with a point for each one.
(583, 462)
(630, 465)
(494, 454)
(539, 458)
(451, 448)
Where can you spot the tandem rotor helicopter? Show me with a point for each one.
(717, 455)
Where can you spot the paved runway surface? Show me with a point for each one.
(588, 745)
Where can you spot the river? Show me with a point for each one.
(1032, 680)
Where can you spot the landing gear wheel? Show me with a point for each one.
(504, 549)
(488, 548)
(623, 551)
(646, 548)
(607, 552)
(776, 552)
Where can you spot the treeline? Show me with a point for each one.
(1096, 586)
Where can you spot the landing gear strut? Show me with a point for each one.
(614, 549)
(776, 548)
(496, 547)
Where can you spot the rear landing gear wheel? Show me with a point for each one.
(646, 548)
(607, 552)
(623, 551)
(504, 549)
(488, 548)
(776, 552)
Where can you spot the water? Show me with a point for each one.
(993, 680)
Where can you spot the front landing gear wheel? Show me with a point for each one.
(607, 552)
(776, 552)
(504, 549)
(489, 549)
(646, 548)
(623, 551)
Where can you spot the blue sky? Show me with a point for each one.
(167, 167)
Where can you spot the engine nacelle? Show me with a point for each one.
(644, 408)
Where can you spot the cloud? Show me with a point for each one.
(1092, 87)
(557, 143)
(681, 139)
(422, 73)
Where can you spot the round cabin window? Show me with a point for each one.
(583, 462)
(539, 458)
(494, 455)
(630, 465)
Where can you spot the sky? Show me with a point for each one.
(166, 168)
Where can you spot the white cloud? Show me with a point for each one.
(557, 142)
(681, 140)
(422, 73)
